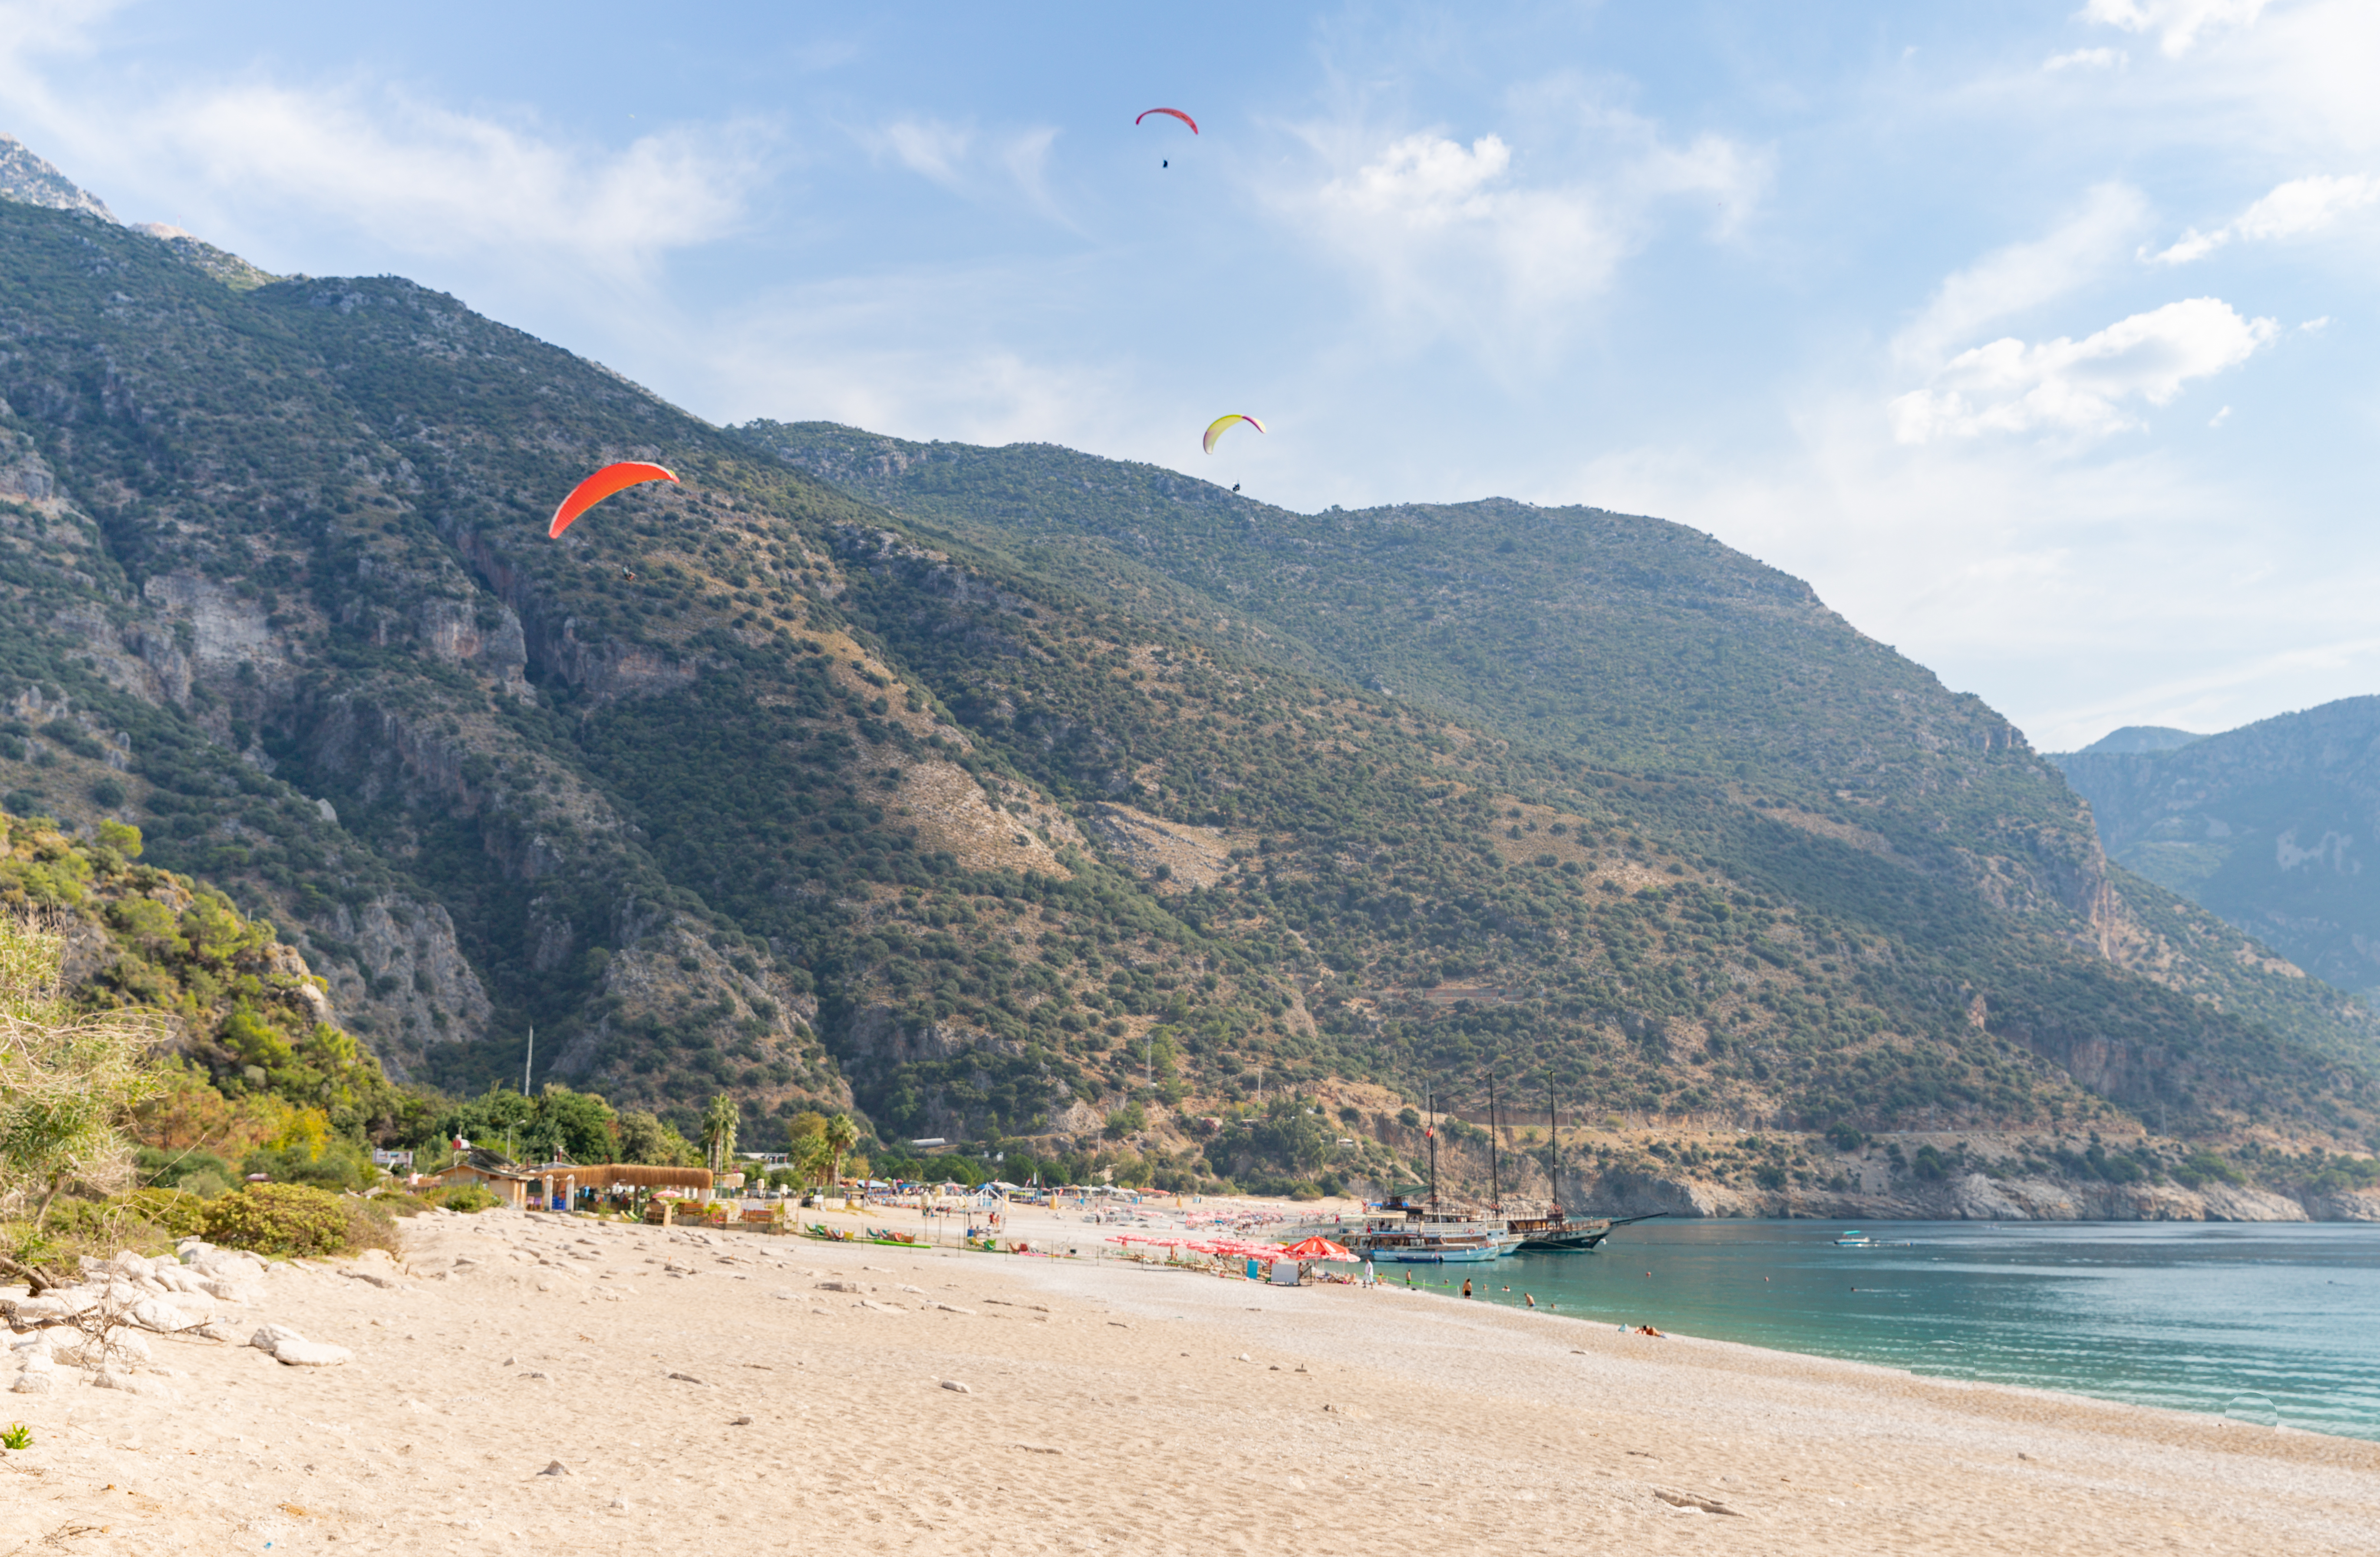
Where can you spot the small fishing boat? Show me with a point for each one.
(1854, 1238)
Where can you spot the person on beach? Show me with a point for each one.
(1466, 1286)
(1371, 1277)
(1532, 1297)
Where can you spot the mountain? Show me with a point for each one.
(29, 180)
(2267, 826)
(1595, 647)
(2134, 738)
(1020, 793)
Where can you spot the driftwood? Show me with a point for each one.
(40, 1278)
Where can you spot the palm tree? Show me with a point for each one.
(719, 1132)
(810, 1156)
(842, 1135)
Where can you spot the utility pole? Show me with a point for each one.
(528, 1059)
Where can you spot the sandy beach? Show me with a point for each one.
(698, 1389)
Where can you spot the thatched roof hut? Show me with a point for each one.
(633, 1175)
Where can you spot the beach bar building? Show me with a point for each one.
(563, 1186)
(511, 1186)
(567, 1184)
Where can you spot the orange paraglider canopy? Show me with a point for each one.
(600, 485)
(1177, 114)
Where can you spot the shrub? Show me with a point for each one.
(464, 1198)
(202, 1172)
(370, 1225)
(2204, 1164)
(97, 1228)
(175, 1212)
(337, 1164)
(278, 1219)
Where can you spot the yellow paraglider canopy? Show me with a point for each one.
(1223, 424)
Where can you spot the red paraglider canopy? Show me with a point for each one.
(1177, 114)
(600, 485)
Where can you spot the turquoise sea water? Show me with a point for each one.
(2262, 1323)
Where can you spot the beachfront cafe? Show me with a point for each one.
(561, 1186)
(511, 1186)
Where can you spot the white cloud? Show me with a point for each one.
(2177, 23)
(2219, 418)
(930, 147)
(1426, 181)
(1473, 239)
(1441, 226)
(2295, 208)
(2079, 387)
(420, 178)
(399, 174)
(2087, 59)
(2192, 245)
(2024, 275)
(2306, 206)
(967, 162)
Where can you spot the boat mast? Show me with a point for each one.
(1553, 1148)
(1429, 1103)
(1494, 1182)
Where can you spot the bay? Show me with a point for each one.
(2265, 1323)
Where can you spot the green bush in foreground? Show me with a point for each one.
(295, 1219)
(177, 1212)
(203, 1174)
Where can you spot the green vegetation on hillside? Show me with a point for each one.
(1060, 805)
(2265, 826)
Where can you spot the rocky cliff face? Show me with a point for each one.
(1961, 1197)
(31, 180)
(2270, 826)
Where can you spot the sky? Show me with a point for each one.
(2039, 337)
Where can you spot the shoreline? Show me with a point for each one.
(1574, 1285)
(695, 1385)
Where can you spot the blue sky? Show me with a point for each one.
(2039, 337)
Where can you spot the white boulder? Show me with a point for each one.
(286, 1346)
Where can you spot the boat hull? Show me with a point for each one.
(1564, 1243)
(1480, 1255)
